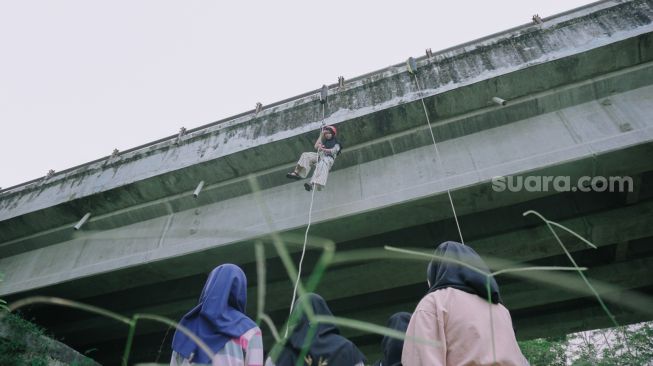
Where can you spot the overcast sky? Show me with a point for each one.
(80, 78)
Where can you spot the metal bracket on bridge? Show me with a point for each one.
(82, 221)
(499, 101)
(341, 81)
(182, 132)
(324, 94)
(412, 65)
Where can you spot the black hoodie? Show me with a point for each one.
(327, 343)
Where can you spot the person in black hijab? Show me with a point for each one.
(327, 346)
(468, 323)
(443, 274)
(392, 347)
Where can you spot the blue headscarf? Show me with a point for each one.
(219, 316)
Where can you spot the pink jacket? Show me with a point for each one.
(460, 323)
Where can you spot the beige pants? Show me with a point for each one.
(322, 167)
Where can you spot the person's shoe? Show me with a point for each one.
(307, 187)
(293, 175)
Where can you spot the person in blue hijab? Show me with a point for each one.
(219, 320)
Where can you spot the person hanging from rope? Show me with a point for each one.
(328, 147)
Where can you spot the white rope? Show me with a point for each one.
(301, 259)
(437, 156)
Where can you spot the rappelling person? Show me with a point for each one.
(328, 147)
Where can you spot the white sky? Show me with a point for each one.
(80, 78)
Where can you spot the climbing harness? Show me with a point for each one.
(412, 68)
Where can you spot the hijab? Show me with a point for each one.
(392, 347)
(327, 343)
(218, 317)
(443, 274)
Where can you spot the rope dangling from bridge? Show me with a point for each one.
(412, 68)
(323, 100)
(324, 97)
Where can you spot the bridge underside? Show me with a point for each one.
(371, 290)
(149, 245)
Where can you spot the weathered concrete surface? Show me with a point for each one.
(456, 82)
(552, 140)
(580, 90)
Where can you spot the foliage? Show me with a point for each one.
(628, 346)
(14, 350)
(25, 345)
(545, 351)
(3, 303)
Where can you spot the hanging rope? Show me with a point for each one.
(310, 213)
(322, 124)
(412, 68)
(158, 354)
(301, 259)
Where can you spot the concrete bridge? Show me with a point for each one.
(579, 92)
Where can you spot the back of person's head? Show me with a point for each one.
(219, 315)
(228, 283)
(301, 322)
(326, 343)
(391, 346)
(459, 266)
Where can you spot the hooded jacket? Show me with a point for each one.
(467, 322)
